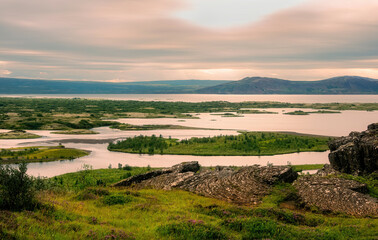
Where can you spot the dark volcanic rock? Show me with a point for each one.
(327, 170)
(357, 153)
(176, 169)
(336, 195)
(244, 186)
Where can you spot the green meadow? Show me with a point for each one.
(82, 205)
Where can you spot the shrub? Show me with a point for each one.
(116, 199)
(192, 229)
(17, 190)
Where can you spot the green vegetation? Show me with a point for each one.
(250, 143)
(65, 114)
(17, 189)
(82, 206)
(371, 181)
(227, 115)
(18, 134)
(39, 154)
(255, 111)
(299, 168)
(299, 112)
(76, 132)
(130, 127)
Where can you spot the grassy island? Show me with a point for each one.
(245, 144)
(76, 132)
(131, 127)
(227, 115)
(18, 134)
(39, 154)
(81, 205)
(300, 112)
(255, 111)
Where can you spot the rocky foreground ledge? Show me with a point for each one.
(248, 185)
(244, 186)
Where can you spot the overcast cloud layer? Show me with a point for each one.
(128, 40)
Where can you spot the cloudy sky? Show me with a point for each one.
(137, 40)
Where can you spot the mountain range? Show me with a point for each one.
(249, 85)
(262, 85)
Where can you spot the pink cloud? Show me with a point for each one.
(141, 40)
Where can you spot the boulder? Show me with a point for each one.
(244, 186)
(357, 153)
(336, 195)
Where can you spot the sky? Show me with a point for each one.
(144, 40)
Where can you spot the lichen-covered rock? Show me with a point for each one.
(176, 169)
(327, 170)
(357, 153)
(244, 186)
(336, 195)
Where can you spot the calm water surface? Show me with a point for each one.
(335, 124)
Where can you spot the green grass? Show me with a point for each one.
(39, 154)
(102, 212)
(299, 168)
(245, 144)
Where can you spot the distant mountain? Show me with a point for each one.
(250, 85)
(31, 86)
(262, 85)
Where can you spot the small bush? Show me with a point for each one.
(127, 168)
(91, 193)
(117, 199)
(126, 175)
(17, 190)
(191, 230)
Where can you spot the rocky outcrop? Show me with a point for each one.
(244, 186)
(176, 170)
(357, 153)
(336, 195)
(326, 170)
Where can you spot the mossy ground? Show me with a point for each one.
(82, 206)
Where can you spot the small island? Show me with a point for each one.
(255, 111)
(300, 112)
(226, 114)
(131, 127)
(18, 134)
(39, 154)
(245, 144)
(76, 132)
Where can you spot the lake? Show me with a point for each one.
(337, 124)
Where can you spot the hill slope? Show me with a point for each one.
(31, 86)
(261, 85)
